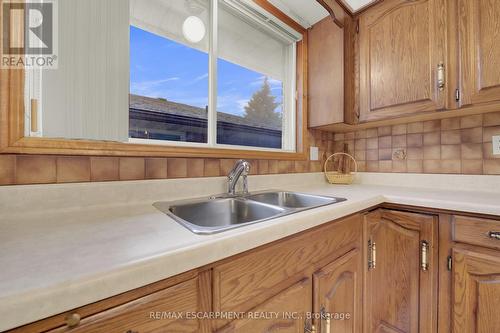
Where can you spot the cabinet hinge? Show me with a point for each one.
(372, 255)
(357, 26)
(449, 263)
(457, 95)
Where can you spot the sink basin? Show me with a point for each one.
(216, 214)
(219, 214)
(293, 199)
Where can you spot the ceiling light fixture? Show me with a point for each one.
(193, 29)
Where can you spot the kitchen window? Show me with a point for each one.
(217, 74)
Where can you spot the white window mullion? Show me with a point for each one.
(290, 101)
(212, 75)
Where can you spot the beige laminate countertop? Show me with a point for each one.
(53, 260)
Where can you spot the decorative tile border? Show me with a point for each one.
(47, 169)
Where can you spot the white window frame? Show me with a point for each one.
(289, 132)
(34, 86)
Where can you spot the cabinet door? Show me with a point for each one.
(402, 44)
(400, 293)
(286, 311)
(326, 73)
(476, 291)
(479, 30)
(338, 292)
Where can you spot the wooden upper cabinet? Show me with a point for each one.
(479, 31)
(338, 291)
(401, 47)
(476, 291)
(400, 295)
(326, 73)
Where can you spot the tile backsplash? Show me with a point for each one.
(460, 145)
(47, 169)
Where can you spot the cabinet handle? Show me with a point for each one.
(372, 255)
(494, 235)
(440, 76)
(72, 320)
(325, 321)
(425, 255)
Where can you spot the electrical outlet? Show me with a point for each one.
(496, 144)
(314, 153)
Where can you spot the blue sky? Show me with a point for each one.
(160, 67)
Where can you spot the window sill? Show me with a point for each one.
(30, 145)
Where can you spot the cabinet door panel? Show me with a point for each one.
(401, 46)
(399, 296)
(479, 30)
(338, 289)
(476, 291)
(249, 280)
(293, 300)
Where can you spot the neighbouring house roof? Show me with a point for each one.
(167, 107)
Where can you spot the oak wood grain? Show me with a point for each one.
(326, 73)
(479, 42)
(338, 289)
(444, 283)
(475, 231)
(399, 297)
(401, 44)
(136, 315)
(247, 281)
(109, 303)
(294, 300)
(476, 290)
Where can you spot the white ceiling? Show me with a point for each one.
(357, 4)
(304, 12)
(308, 12)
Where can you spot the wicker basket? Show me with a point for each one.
(337, 177)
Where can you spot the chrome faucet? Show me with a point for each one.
(241, 168)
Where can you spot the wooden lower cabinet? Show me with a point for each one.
(281, 313)
(138, 316)
(476, 290)
(164, 306)
(371, 273)
(327, 259)
(401, 275)
(338, 292)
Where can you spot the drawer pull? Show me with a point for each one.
(72, 320)
(494, 235)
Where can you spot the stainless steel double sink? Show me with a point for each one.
(220, 213)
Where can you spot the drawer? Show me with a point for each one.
(135, 316)
(248, 280)
(476, 231)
